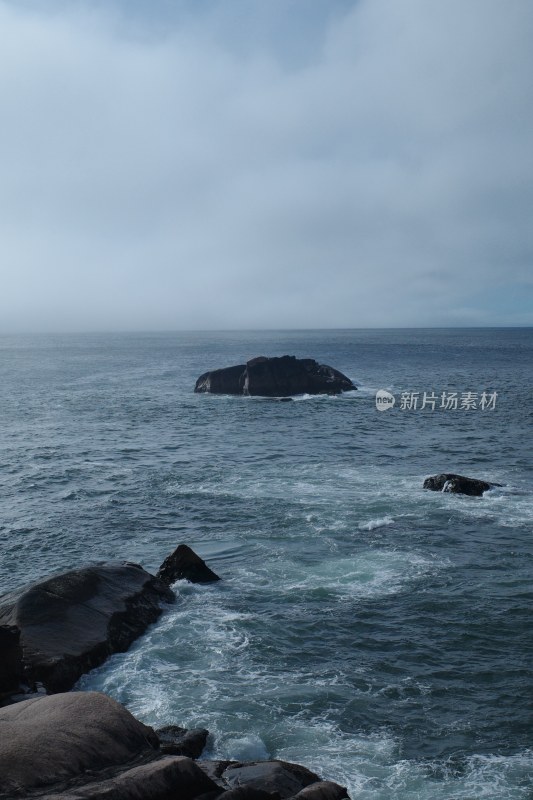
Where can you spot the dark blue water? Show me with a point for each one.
(370, 629)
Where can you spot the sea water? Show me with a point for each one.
(372, 630)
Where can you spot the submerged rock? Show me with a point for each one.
(275, 377)
(185, 564)
(86, 745)
(70, 623)
(457, 484)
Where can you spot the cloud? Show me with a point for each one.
(182, 171)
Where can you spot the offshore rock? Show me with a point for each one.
(222, 381)
(275, 377)
(86, 745)
(458, 484)
(70, 623)
(185, 564)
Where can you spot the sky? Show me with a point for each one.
(233, 164)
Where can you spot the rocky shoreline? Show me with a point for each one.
(56, 744)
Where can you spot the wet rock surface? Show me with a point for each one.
(71, 622)
(185, 564)
(457, 484)
(257, 780)
(182, 742)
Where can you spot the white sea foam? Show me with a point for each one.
(198, 666)
(372, 524)
(246, 748)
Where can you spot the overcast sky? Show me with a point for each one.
(265, 163)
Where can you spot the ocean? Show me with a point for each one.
(369, 629)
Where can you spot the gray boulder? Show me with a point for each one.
(457, 484)
(275, 377)
(40, 739)
(70, 623)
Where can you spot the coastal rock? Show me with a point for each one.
(267, 780)
(86, 745)
(167, 778)
(10, 662)
(214, 769)
(40, 739)
(457, 484)
(182, 742)
(275, 377)
(275, 777)
(248, 793)
(70, 623)
(185, 564)
(323, 790)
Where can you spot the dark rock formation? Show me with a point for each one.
(275, 377)
(457, 484)
(86, 745)
(323, 790)
(182, 742)
(271, 776)
(248, 793)
(73, 621)
(166, 778)
(277, 779)
(10, 661)
(184, 564)
(222, 381)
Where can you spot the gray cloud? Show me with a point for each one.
(177, 166)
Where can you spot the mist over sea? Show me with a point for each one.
(376, 632)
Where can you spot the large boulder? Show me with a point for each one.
(275, 377)
(70, 623)
(86, 745)
(457, 484)
(185, 564)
